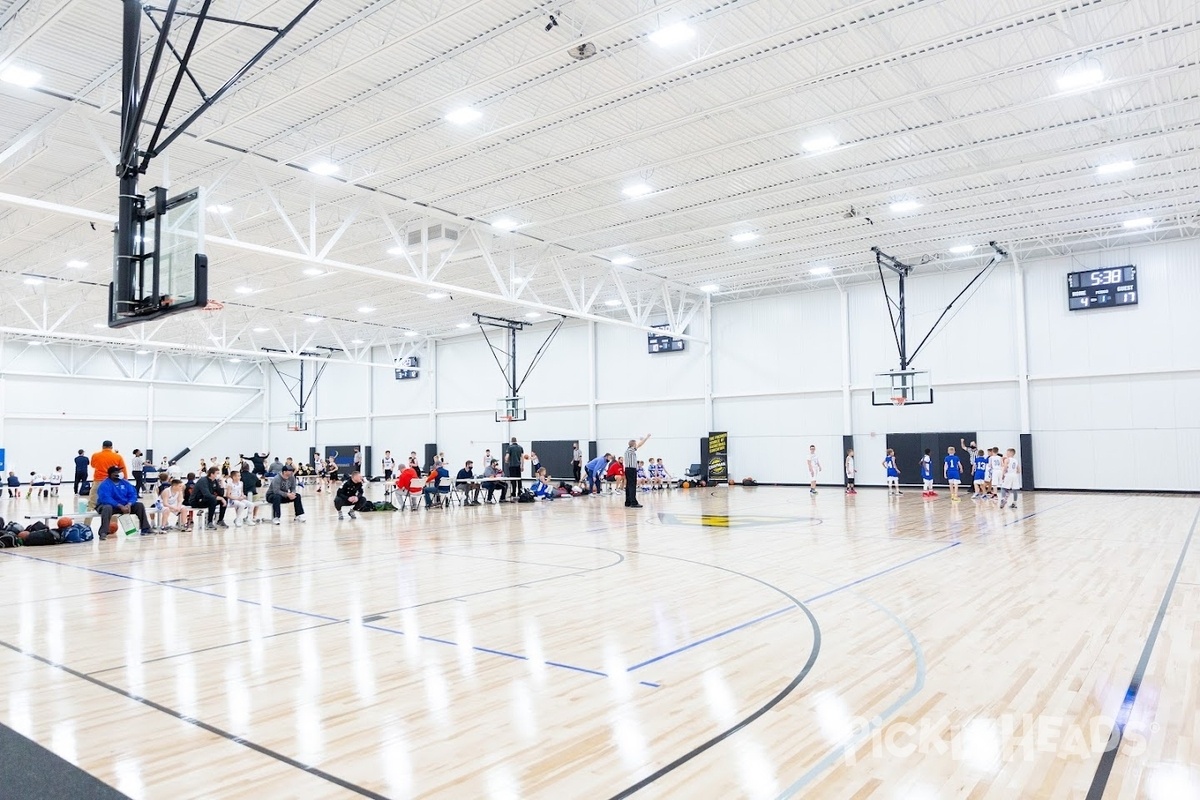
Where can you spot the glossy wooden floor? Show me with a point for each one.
(716, 644)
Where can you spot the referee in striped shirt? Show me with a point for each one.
(631, 500)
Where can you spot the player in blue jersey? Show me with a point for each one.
(953, 472)
(927, 475)
(893, 473)
(980, 475)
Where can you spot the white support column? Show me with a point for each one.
(3, 407)
(709, 417)
(266, 409)
(1022, 343)
(847, 404)
(433, 392)
(593, 383)
(150, 414)
(369, 422)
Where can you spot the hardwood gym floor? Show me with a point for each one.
(719, 643)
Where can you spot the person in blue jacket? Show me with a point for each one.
(117, 496)
(595, 472)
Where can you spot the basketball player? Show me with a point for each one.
(996, 465)
(953, 472)
(814, 468)
(850, 472)
(893, 473)
(980, 459)
(1012, 479)
(927, 474)
(389, 465)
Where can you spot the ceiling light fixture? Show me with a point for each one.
(612, 303)
(1080, 77)
(463, 116)
(143, 352)
(505, 224)
(313, 319)
(218, 209)
(32, 281)
(1140, 222)
(962, 249)
(356, 341)
(244, 290)
(235, 361)
(820, 271)
(261, 330)
(99, 324)
(76, 264)
(903, 206)
(747, 236)
(1114, 168)
(324, 168)
(819, 143)
(313, 272)
(637, 190)
(621, 261)
(437, 295)
(532, 315)
(365, 309)
(18, 76)
(463, 325)
(411, 333)
(710, 288)
(672, 35)
(396, 251)
(34, 342)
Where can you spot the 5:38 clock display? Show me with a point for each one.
(1102, 288)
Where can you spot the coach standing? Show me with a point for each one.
(514, 456)
(631, 472)
(82, 463)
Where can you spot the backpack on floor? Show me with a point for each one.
(385, 507)
(41, 537)
(526, 496)
(77, 533)
(9, 539)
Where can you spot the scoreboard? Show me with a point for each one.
(408, 369)
(1102, 288)
(664, 343)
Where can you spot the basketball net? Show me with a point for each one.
(213, 305)
(897, 401)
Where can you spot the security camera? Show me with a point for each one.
(552, 24)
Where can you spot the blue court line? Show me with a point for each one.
(776, 613)
(1035, 513)
(504, 654)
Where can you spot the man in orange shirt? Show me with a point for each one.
(101, 460)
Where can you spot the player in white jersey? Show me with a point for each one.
(1011, 483)
(814, 468)
(851, 472)
(995, 472)
(235, 496)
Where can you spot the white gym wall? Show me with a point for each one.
(1113, 395)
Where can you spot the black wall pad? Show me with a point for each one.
(910, 447)
(430, 455)
(555, 456)
(1027, 481)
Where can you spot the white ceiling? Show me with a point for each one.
(953, 104)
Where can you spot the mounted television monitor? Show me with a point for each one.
(664, 343)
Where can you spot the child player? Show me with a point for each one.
(996, 468)
(981, 463)
(814, 468)
(850, 473)
(953, 471)
(927, 475)
(893, 473)
(1012, 479)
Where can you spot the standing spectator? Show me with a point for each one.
(631, 475)
(81, 468)
(116, 495)
(576, 462)
(514, 454)
(282, 489)
(102, 460)
(137, 462)
(357, 461)
(259, 461)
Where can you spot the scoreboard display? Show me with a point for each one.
(408, 369)
(664, 343)
(1102, 288)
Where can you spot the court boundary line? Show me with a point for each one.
(1109, 756)
(701, 748)
(204, 726)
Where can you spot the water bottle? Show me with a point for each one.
(60, 509)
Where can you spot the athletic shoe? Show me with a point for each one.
(300, 518)
(147, 532)
(637, 505)
(341, 515)
(812, 491)
(1013, 505)
(278, 521)
(956, 499)
(353, 515)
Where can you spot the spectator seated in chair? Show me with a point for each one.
(283, 489)
(467, 484)
(350, 494)
(492, 470)
(434, 487)
(616, 473)
(115, 495)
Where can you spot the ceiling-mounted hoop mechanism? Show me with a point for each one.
(512, 326)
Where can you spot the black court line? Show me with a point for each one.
(204, 726)
(1109, 757)
(774, 701)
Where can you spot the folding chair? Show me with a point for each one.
(409, 498)
(454, 493)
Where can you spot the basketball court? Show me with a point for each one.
(892, 304)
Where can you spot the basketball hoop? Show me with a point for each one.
(213, 305)
(898, 401)
(506, 418)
